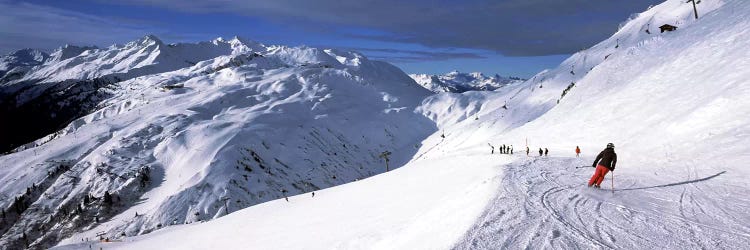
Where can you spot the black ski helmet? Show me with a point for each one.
(610, 145)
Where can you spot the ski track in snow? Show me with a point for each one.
(544, 203)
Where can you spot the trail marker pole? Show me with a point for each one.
(695, 9)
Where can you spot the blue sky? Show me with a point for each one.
(509, 37)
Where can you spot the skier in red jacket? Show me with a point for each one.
(608, 159)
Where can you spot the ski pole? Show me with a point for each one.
(613, 182)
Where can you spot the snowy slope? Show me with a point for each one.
(403, 209)
(223, 134)
(457, 82)
(674, 104)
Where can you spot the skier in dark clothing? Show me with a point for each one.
(605, 162)
(541, 152)
(545, 151)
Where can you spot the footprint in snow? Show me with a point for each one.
(555, 233)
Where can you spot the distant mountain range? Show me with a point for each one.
(459, 82)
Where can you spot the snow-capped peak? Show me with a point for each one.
(20, 60)
(69, 51)
(478, 75)
(243, 45)
(26, 57)
(218, 40)
(30, 55)
(149, 39)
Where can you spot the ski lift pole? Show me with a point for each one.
(385, 155)
(695, 9)
(226, 204)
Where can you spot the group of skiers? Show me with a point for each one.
(504, 149)
(544, 152)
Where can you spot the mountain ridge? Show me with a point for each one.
(458, 82)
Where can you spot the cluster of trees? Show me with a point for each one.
(86, 209)
(144, 176)
(62, 168)
(565, 91)
(23, 201)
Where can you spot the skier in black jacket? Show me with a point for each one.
(606, 160)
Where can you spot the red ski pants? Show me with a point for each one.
(598, 176)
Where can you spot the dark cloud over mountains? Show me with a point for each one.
(510, 27)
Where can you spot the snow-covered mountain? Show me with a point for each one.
(42, 93)
(144, 56)
(190, 132)
(457, 82)
(675, 105)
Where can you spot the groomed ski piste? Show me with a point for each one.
(675, 104)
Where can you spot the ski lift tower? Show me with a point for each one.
(226, 204)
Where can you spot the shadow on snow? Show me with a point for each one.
(676, 183)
